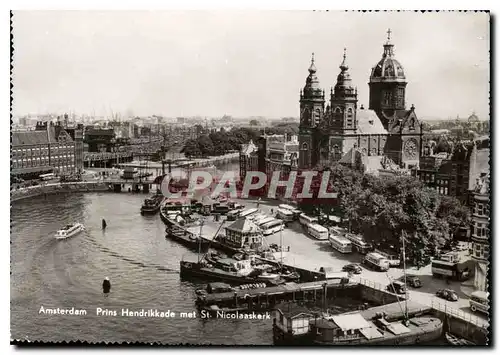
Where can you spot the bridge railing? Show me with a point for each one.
(458, 313)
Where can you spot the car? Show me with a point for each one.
(352, 268)
(396, 287)
(411, 280)
(447, 294)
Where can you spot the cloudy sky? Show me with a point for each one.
(239, 63)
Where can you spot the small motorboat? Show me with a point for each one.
(457, 341)
(69, 231)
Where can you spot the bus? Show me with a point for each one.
(358, 243)
(272, 227)
(376, 261)
(285, 215)
(480, 301)
(296, 212)
(306, 220)
(47, 177)
(340, 244)
(232, 215)
(317, 231)
(450, 270)
(249, 212)
(263, 221)
(394, 259)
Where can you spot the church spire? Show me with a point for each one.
(312, 67)
(312, 88)
(343, 65)
(388, 46)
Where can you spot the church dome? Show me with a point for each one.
(388, 68)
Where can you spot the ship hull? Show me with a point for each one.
(193, 244)
(427, 334)
(192, 270)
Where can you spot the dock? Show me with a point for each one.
(268, 297)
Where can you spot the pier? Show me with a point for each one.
(266, 298)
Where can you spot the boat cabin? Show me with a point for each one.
(244, 233)
(293, 319)
(353, 328)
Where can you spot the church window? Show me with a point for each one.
(349, 117)
(401, 97)
(338, 110)
(387, 98)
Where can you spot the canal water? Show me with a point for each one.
(133, 252)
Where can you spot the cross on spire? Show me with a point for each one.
(389, 35)
(345, 51)
(312, 58)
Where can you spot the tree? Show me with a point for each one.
(383, 209)
(254, 122)
(206, 145)
(191, 148)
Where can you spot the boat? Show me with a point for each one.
(152, 205)
(186, 238)
(170, 209)
(353, 329)
(457, 341)
(104, 224)
(69, 231)
(237, 272)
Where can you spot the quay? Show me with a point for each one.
(267, 298)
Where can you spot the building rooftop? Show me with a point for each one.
(244, 226)
(369, 123)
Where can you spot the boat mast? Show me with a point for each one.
(281, 248)
(199, 239)
(404, 270)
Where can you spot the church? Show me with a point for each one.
(386, 136)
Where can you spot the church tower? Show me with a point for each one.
(343, 102)
(387, 99)
(387, 83)
(312, 104)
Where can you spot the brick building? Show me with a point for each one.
(49, 148)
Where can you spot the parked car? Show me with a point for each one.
(352, 268)
(411, 280)
(396, 287)
(447, 294)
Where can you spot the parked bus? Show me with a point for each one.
(340, 244)
(296, 212)
(306, 220)
(394, 259)
(272, 227)
(358, 243)
(249, 212)
(317, 231)
(47, 177)
(480, 301)
(285, 215)
(451, 270)
(263, 221)
(233, 215)
(376, 261)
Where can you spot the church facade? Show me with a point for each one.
(385, 134)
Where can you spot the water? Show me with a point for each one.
(133, 252)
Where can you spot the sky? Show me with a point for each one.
(239, 63)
